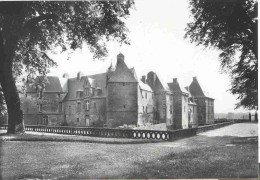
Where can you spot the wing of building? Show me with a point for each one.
(116, 98)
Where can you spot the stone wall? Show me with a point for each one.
(50, 109)
(97, 112)
(145, 107)
(74, 112)
(122, 104)
(180, 110)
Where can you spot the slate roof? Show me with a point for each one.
(74, 84)
(145, 87)
(195, 88)
(155, 83)
(122, 73)
(100, 81)
(53, 85)
(177, 87)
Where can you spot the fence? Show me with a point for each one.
(122, 133)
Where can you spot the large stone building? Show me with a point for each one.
(115, 98)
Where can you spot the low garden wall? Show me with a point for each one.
(123, 133)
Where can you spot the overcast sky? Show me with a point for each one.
(157, 44)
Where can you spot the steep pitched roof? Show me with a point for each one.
(155, 83)
(175, 86)
(195, 88)
(100, 81)
(145, 87)
(52, 85)
(122, 72)
(74, 84)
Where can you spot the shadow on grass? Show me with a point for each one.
(201, 161)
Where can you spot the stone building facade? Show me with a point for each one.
(117, 98)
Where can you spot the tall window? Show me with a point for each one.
(60, 106)
(87, 105)
(40, 94)
(78, 106)
(45, 120)
(69, 111)
(170, 109)
(146, 95)
(87, 91)
(146, 109)
(95, 106)
(40, 107)
(143, 108)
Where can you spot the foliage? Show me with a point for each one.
(231, 27)
(30, 30)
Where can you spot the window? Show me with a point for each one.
(79, 94)
(143, 108)
(69, 110)
(124, 106)
(77, 119)
(146, 109)
(123, 84)
(146, 95)
(87, 105)
(184, 108)
(45, 120)
(60, 106)
(171, 109)
(40, 107)
(152, 95)
(87, 91)
(78, 106)
(95, 106)
(40, 94)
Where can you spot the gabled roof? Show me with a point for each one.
(52, 84)
(122, 72)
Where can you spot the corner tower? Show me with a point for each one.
(122, 97)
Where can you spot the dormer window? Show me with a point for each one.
(79, 94)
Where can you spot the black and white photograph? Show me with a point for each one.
(129, 89)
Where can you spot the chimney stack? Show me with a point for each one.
(143, 79)
(174, 80)
(194, 78)
(120, 57)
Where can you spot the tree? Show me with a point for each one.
(29, 30)
(231, 27)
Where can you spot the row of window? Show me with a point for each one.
(60, 107)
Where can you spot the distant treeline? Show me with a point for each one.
(233, 115)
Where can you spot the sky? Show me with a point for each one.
(158, 44)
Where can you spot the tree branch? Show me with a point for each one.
(38, 19)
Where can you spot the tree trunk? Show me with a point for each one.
(8, 44)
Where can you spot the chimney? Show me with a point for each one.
(64, 82)
(174, 80)
(65, 75)
(79, 75)
(194, 78)
(120, 57)
(143, 79)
